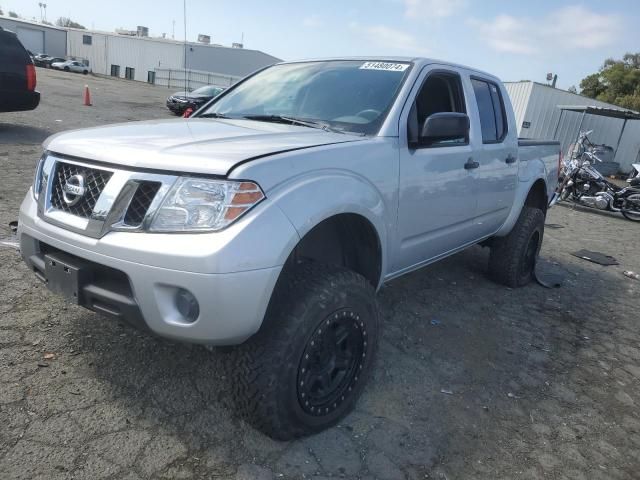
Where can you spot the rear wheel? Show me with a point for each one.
(84, 72)
(513, 258)
(306, 367)
(631, 207)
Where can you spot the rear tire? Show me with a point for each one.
(513, 258)
(306, 367)
(84, 72)
(632, 214)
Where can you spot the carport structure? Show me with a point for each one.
(607, 112)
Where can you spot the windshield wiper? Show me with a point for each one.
(294, 121)
(213, 115)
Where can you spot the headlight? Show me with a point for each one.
(37, 179)
(197, 204)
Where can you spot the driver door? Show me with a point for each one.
(437, 194)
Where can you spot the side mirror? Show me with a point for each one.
(444, 126)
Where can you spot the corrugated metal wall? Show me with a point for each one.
(143, 55)
(540, 109)
(96, 53)
(519, 93)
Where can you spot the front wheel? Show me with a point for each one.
(306, 367)
(66, 69)
(84, 72)
(513, 258)
(631, 207)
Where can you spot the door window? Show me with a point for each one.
(493, 121)
(440, 92)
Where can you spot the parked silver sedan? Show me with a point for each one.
(71, 66)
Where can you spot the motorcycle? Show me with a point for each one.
(634, 176)
(582, 184)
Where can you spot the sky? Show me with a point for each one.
(515, 40)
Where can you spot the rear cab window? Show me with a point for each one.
(493, 118)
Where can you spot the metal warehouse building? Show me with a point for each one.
(36, 37)
(538, 116)
(141, 57)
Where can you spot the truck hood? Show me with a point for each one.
(209, 146)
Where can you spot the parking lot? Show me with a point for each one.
(473, 380)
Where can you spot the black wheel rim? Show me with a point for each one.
(332, 362)
(530, 254)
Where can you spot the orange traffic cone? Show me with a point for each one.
(87, 96)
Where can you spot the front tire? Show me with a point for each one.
(513, 258)
(66, 69)
(306, 367)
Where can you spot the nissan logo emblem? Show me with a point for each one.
(73, 190)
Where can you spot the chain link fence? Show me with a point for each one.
(173, 78)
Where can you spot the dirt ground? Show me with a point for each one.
(473, 380)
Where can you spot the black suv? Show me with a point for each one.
(17, 75)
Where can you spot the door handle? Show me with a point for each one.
(510, 159)
(471, 164)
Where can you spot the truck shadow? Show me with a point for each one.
(466, 369)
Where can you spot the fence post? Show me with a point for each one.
(169, 80)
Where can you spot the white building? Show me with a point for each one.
(538, 116)
(138, 57)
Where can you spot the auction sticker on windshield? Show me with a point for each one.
(391, 67)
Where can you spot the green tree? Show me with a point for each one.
(13, 14)
(67, 22)
(617, 82)
(1, 12)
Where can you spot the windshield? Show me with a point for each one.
(352, 96)
(207, 90)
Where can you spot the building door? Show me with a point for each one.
(151, 77)
(129, 73)
(33, 40)
(115, 70)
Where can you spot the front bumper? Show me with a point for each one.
(232, 304)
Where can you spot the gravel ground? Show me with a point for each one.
(473, 380)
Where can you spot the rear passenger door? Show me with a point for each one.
(496, 148)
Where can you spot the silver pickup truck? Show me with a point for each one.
(270, 218)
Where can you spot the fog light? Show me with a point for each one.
(187, 305)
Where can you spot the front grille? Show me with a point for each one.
(140, 203)
(94, 182)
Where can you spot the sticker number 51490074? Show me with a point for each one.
(391, 67)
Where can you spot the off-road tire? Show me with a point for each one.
(510, 259)
(264, 372)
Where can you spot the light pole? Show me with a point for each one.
(44, 5)
(41, 17)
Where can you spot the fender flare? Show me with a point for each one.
(311, 198)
